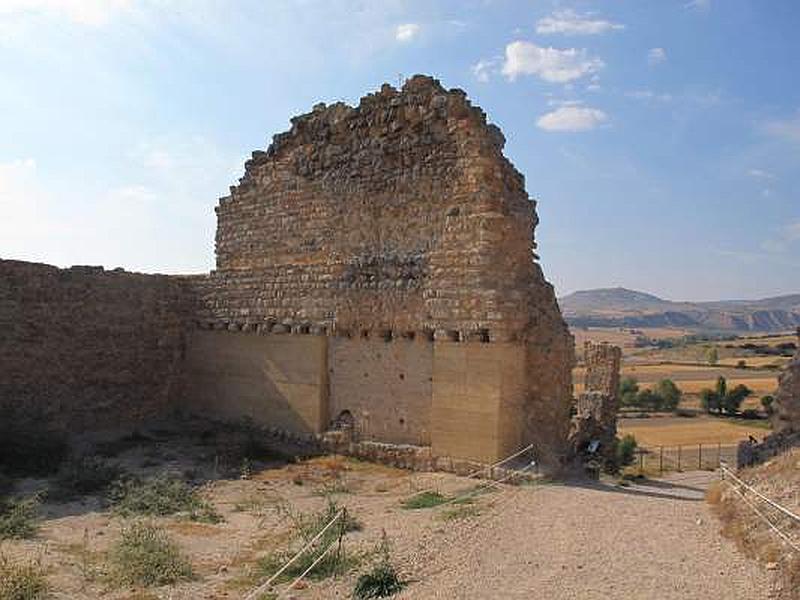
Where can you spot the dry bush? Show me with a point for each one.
(22, 580)
(145, 555)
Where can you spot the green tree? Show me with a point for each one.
(710, 400)
(734, 398)
(670, 394)
(628, 390)
(766, 403)
(721, 388)
(712, 355)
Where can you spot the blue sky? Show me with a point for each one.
(661, 138)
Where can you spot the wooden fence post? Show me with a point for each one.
(700, 457)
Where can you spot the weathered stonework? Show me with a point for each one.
(596, 408)
(786, 416)
(376, 274)
(398, 232)
(87, 349)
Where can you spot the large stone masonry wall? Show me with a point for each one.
(86, 349)
(786, 416)
(399, 219)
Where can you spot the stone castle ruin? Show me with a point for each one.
(376, 279)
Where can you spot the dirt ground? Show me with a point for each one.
(577, 540)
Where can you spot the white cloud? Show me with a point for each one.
(656, 56)
(92, 13)
(701, 5)
(760, 174)
(406, 32)
(786, 129)
(572, 118)
(482, 70)
(568, 22)
(550, 64)
(649, 95)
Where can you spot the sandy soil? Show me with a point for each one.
(578, 540)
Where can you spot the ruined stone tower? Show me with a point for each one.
(377, 265)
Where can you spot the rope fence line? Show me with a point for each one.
(255, 594)
(264, 586)
(771, 525)
(491, 483)
(725, 469)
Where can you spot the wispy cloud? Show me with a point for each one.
(550, 64)
(760, 174)
(482, 70)
(572, 118)
(785, 129)
(91, 13)
(569, 22)
(699, 5)
(785, 238)
(649, 95)
(656, 56)
(406, 32)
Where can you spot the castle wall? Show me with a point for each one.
(276, 380)
(385, 385)
(88, 348)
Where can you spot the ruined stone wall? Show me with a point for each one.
(88, 348)
(385, 384)
(787, 401)
(602, 368)
(399, 218)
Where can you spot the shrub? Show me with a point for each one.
(766, 403)
(382, 580)
(625, 451)
(145, 555)
(22, 581)
(424, 500)
(82, 476)
(669, 393)
(161, 496)
(306, 527)
(18, 518)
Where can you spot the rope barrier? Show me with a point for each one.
(772, 526)
(783, 509)
(484, 469)
(263, 587)
(307, 571)
(485, 485)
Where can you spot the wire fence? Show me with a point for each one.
(684, 457)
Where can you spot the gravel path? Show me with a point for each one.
(656, 540)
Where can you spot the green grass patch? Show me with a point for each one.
(144, 555)
(465, 511)
(22, 580)
(161, 496)
(18, 518)
(338, 561)
(424, 500)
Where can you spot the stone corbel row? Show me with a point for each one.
(273, 326)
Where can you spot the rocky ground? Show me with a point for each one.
(654, 539)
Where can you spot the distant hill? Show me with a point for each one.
(621, 307)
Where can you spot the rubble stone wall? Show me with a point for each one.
(602, 368)
(83, 348)
(787, 401)
(399, 218)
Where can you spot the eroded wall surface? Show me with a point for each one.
(84, 348)
(394, 219)
(786, 416)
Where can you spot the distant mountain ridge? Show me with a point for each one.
(621, 307)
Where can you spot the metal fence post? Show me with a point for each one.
(719, 454)
(700, 457)
(679, 457)
(661, 459)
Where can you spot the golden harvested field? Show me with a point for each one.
(624, 338)
(674, 431)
